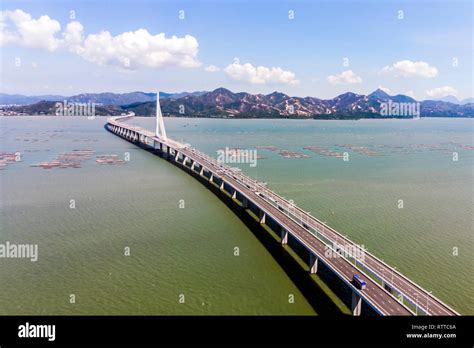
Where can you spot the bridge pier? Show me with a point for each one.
(313, 263)
(356, 304)
(222, 186)
(201, 172)
(262, 217)
(284, 236)
(211, 179)
(234, 194)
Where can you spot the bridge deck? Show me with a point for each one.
(306, 228)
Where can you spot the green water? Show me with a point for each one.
(190, 251)
(174, 251)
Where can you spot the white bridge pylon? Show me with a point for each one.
(160, 131)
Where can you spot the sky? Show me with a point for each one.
(301, 48)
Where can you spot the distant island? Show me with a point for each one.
(222, 103)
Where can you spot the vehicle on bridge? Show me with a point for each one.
(359, 282)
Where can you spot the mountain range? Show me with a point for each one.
(224, 103)
(100, 98)
(454, 100)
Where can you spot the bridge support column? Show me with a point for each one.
(284, 236)
(356, 304)
(222, 186)
(185, 160)
(201, 172)
(192, 165)
(262, 217)
(211, 179)
(176, 157)
(234, 194)
(313, 263)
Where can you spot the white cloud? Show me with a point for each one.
(128, 50)
(345, 78)
(212, 68)
(74, 36)
(407, 68)
(132, 49)
(410, 93)
(260, 75)
(441, 92)
(385, 89)
(18, 28)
